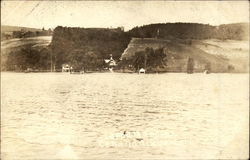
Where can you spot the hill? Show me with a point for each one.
(215, 53)
(236, 52)
(20, 54)
(81, 46)
(225, 48)
(237, 31)
(10, 32)
(6, 28)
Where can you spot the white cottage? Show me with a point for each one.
(111, 62)
(66, 68)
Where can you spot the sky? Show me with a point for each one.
(49, 14)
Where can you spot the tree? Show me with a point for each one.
(208, 67)
(190, 65)
(139, 60)
(149, 58)
(82, 59)
(28, 57)
(156, 57)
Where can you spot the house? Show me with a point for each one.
(110, 62)
(66, 68)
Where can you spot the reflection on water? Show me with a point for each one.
(105, 115)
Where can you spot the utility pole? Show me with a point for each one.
(51, 63)
(145, 60)
(190, 65)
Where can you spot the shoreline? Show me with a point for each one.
(91, 72)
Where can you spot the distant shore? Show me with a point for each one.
(115, 71)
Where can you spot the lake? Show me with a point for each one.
(115, 116)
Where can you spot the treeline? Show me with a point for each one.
(87, 47)
(27, 57)
(25, 34)
(237, 31)
(149, 59)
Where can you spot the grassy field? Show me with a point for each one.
(17, 42)
(6, 28)
(220, 54)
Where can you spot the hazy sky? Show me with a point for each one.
(50, 14)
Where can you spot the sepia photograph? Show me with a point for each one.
(145, 79)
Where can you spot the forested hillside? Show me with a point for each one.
(237, 31)
(168, 46)
(78, 46)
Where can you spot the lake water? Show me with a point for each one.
(115, 116)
